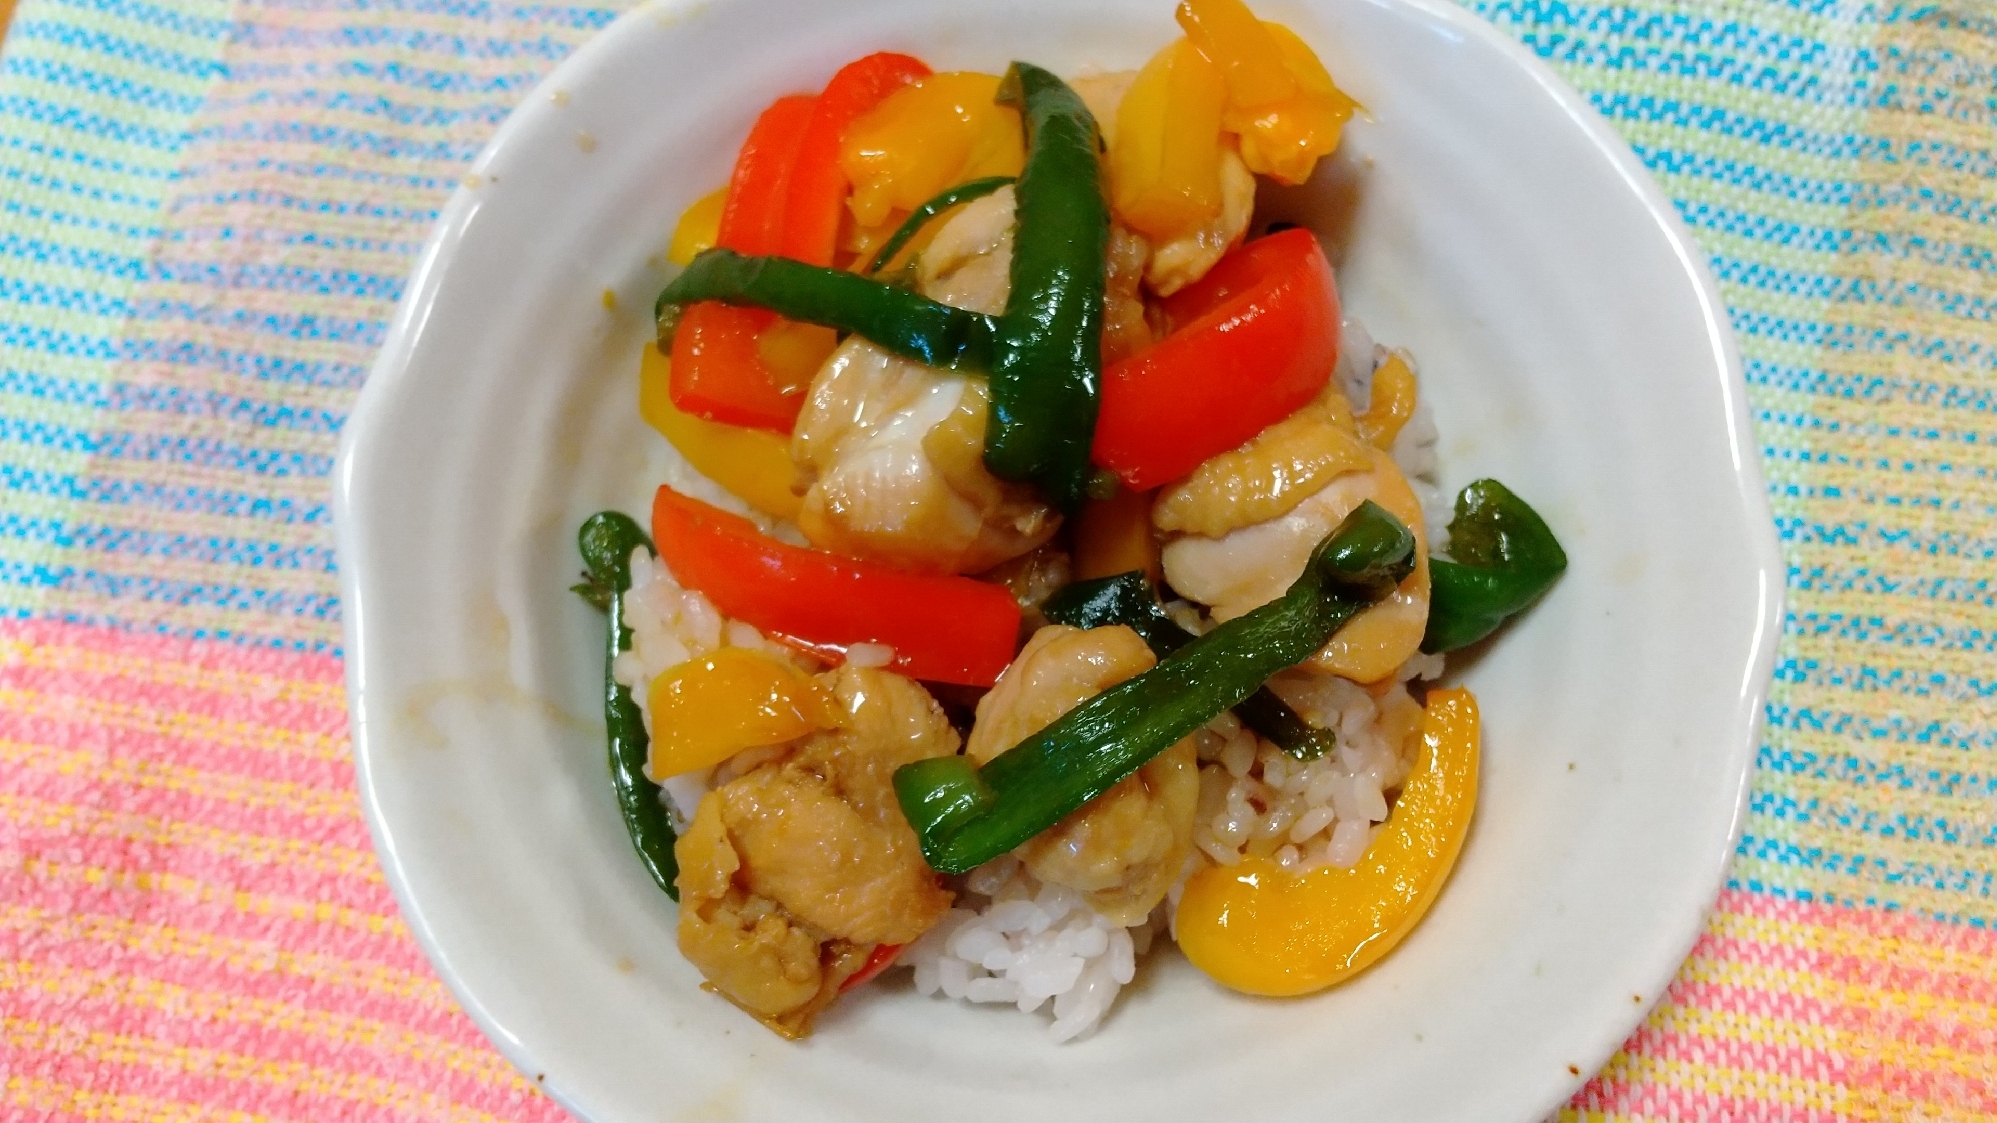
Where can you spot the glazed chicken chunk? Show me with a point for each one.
(894, 450)
(1246, 521)
(793, 872)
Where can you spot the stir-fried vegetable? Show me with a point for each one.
(1255, 339)
(607, 541)
(966, 815)
(932, 133)
(1046, 376)
(754, 464)
(1165, 164)
(1129, 599)
(909, 325)
(698, 228)
(719, 371)
(1506, 557)
(946, 629)
(1257, 928)
(708, 709)
(1280, 101)
(815, 197)
(1113, 535)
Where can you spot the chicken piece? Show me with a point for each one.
(1123, 849)
(791, 873)
(1185, 259)
(747, 946)
(1268, 477)
(969, 262)
(1251, 566)
(890, 720)
(893, 451)
(1126, 330)
(1103, 93)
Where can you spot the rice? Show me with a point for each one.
(1019, 941)
(1255, 799)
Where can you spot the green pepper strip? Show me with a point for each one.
(607, 540)
(1128, 599)
(1505, 558)
(1046, 374)
(965, 815)
(909, 325)
(922, 215)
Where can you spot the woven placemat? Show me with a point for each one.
(208, 210)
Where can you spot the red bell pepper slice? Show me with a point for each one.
(718, 373)
(944, 629)
(818, 186)
(882, 958)
(1256, 338)
(752, 220)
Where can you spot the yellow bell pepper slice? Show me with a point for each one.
(1240, 45)
(754, 464)
(1164, 166)
(1281, 101)
(794, 352)
(931, 134)
(1284, 141)
(1113, 536)
(1392, 403)
(707, 710)
(1257, 929)
(699, 227)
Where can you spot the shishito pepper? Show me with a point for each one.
(1046, 375)
(903, 322)
(965, 816)
(1506, 557)
(607, 541)
(1129, 599)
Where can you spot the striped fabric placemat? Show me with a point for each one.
(207, 212)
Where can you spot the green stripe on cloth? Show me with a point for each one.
(96, 102)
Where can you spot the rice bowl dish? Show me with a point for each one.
(472, 686)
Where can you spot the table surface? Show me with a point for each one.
(207, 212)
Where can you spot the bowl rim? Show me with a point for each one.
(428, 276)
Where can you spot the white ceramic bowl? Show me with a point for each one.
(1572, 344)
